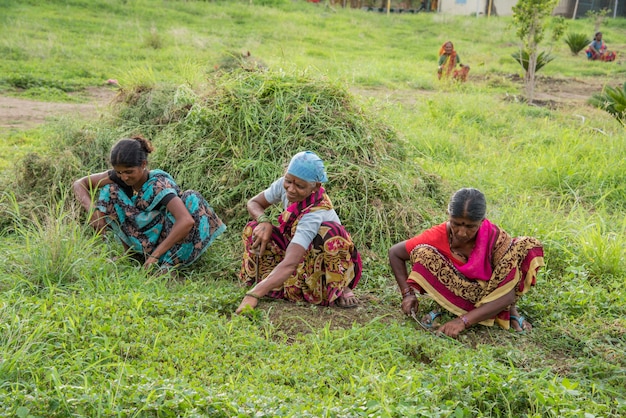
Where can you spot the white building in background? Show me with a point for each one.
(477, 7)
(505, 7)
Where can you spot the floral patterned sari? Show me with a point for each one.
(330, 264)
(141, 221)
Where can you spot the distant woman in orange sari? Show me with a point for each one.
(448, 61)
(469, 266)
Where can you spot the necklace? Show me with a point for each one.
(460, 255)
(135, 192)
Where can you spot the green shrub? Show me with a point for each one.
(576, 42)
(522, 57)
(612, 100)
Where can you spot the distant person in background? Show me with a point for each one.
(448, 62)
(146, 211)
(597, 50)
(469, 266)
(309, 256)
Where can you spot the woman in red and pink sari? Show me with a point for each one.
(469, 266)
(309, 256)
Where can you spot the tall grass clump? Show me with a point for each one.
(49, 249)
(602, 250)
(40, 178)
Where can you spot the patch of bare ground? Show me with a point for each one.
(291, 319)
(18, 113)
(551, 92)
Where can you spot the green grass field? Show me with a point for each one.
(81, 335)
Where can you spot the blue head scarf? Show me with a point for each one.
(307, 166)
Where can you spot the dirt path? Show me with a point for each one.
(16, 113)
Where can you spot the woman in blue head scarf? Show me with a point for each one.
(309, 256)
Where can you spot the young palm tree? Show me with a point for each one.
(576, 42)
(613, 100)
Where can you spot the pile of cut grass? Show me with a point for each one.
(231, 140)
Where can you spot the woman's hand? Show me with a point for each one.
(261, 236)
(262, 233)
(410, 304)
(150, 262)
(248, 300)
(452, 328)
(85, 189)
(97, 220)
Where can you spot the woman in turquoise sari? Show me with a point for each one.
(146, 210)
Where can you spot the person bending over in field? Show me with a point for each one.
(448, 61)
(309, 256)
(469, 266)
(145, 209)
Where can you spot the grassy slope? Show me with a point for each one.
(116, 342)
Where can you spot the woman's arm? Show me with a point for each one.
(277, 276)
(84, 189)
(454, 327)
(398, 256)
(592, 46)
(263, 231)
(182, 226)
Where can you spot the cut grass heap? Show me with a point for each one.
(233, 139)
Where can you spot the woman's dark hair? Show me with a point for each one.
(598, 33)
(468, 203)
(131, 152)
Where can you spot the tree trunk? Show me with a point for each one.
(530, 76)
(529, 79)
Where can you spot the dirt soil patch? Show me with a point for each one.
(550, 92)
(17, 113)
(290, 321)
(293, 319)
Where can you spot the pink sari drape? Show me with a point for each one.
(497, 265)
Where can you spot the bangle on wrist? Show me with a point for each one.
(263, 218)
(406, 292)
(152, 256)
(465, 321)
(254, 295)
